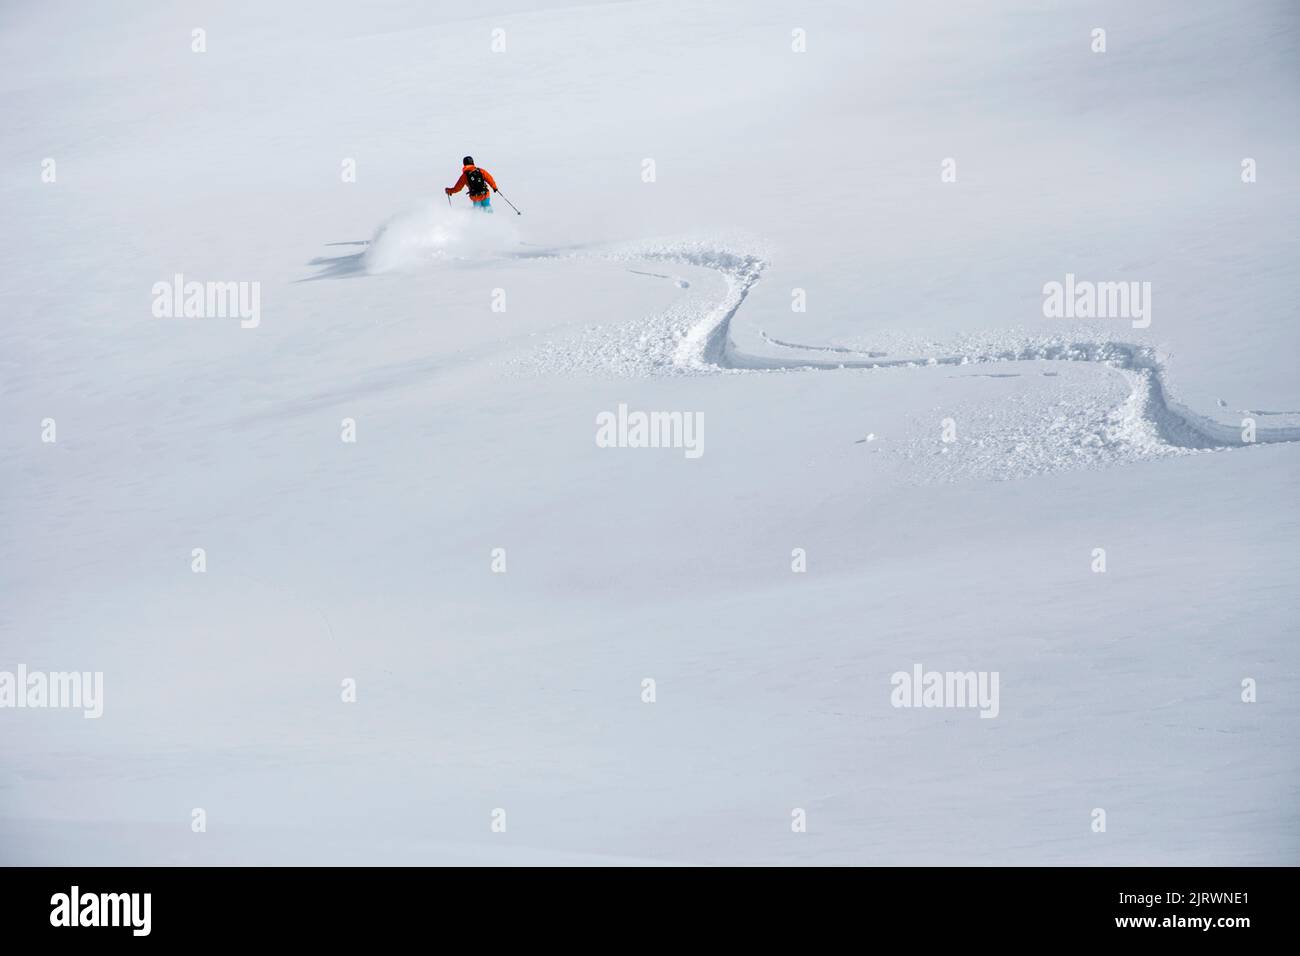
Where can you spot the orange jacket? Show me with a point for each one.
(460, 183)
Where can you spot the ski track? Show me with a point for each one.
(693, 337)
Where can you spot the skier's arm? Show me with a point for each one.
(460, 184)
(488, 176)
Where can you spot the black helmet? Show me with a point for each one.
(467, 161)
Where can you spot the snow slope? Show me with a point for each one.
(473, 357)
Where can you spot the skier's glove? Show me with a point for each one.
(447, 190)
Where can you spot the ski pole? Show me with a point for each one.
(509, 203)
(449, 200)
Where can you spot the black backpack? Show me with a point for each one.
(475, 181)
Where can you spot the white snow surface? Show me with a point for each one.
(473, 355)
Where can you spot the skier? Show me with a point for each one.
(478, 180)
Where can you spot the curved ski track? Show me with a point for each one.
(707, 346)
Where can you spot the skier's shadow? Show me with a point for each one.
(347, 267)
(339, 267)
